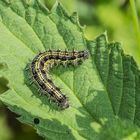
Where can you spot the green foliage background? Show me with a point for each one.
(115, 17)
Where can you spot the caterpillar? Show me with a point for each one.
(41, 65)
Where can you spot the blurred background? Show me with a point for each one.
(118, 17)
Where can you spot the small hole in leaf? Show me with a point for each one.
(36, 121)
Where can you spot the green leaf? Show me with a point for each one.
(117, 129)
(97, 90)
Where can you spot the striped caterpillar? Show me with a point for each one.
(41, 65)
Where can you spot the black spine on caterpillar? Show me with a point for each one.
(42, 63)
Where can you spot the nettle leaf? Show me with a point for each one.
(104, 86)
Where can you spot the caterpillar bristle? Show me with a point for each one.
(42, 64)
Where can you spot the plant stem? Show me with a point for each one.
(135, 21)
